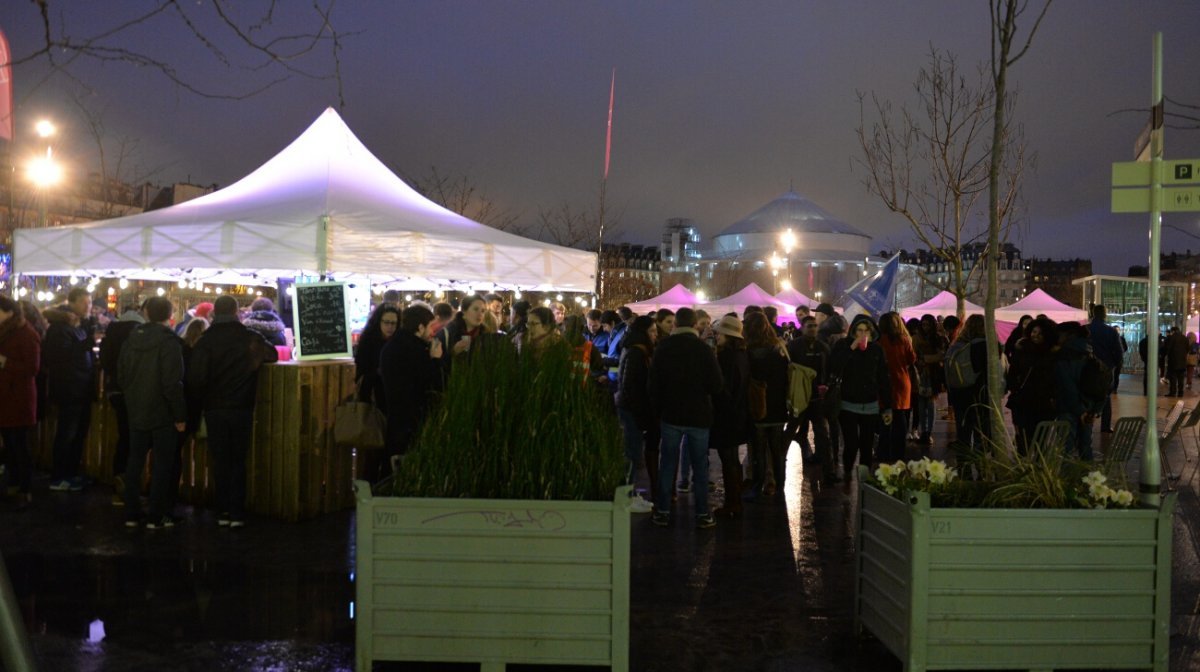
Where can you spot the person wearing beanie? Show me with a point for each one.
(831, 327)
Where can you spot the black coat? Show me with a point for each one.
(863, 373)
(1031, 380)
(769, 365)
(684, 379)
(633, 385)
(110, 351)
(729, 424)
(225, 363)
(67, 360)
(814, 354)
(409, 377)
(150, 373)
(366, 369)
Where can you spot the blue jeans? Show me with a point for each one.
(69, 437)
(164, 441)
(229, 435)
(1079, 437)
(695, 441)
(925, 415)
(633, 443)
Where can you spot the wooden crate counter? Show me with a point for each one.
(293, 471)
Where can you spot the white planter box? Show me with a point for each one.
(492, 581)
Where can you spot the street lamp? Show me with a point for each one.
(788, 240)
(43, 171)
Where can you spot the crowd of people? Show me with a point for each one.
(680, 382)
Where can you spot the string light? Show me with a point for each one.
(124, 283)
(160, 291)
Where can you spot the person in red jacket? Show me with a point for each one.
(901, 357)
(20, 359)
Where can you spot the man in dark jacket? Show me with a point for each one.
(69, 366)
(831, 327)
(1106, 345)
(810, 351)
(150, 373)
(224, 376)
(1078, 411)
(1176, 350)
(410, 369)
(683, 381)
(110, 354)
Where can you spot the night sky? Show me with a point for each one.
(720, 107)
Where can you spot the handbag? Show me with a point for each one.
(358, 423)
(833, 398)
(756, 397)
(1193, 359)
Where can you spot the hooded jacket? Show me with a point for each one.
(684, 379)
(267, 323)
(150, 373)
(110, 348)
(1068, 369)
(20, 345)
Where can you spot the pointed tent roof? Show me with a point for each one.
(324, 204)
(674, 298)
(750, 295)
(791, 210)
(795, 298)
(1038, 302)
(942, 305)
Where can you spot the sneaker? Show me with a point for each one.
(132, 522)
(223, 520)
(684, 487)
(60, 486)
(162, 522)
(661, 519)
(76, 484)
(637, 504)
(706, 521)
(236, 522)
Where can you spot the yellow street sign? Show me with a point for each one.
(1137, 173)
(1176, 199)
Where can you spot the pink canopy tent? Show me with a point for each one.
(795, 299)
(674, 298)
(1041, 303)
(942, 305)
(750, 295)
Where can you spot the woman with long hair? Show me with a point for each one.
(769, 375)
(20, 360)
(381, 325)
(729, 420)
(900, 356)
(1031, 379)
(858, 369)
(970, 400)
(930, 346)
(634, 408)
(467, 324)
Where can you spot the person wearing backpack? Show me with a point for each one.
(1077, 404)
(966, 382)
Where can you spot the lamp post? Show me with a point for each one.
(43, 171)
(788, 240)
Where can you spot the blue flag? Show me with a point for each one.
(877, 294)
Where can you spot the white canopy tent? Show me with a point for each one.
(1041, 303)
(942, 305)
(750, 295)
(325, 206)
(674, 298)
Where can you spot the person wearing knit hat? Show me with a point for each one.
(831, 327)
(202, 309)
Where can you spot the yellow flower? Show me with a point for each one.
(938, 473)
(1123, 497)
(1094, 479)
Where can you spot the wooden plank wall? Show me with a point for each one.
(293, 471)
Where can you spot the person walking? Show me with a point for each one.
(20, 360)
(1106, 345)
(69, 364)
(683, 381)
(224, 375)
(150, 372)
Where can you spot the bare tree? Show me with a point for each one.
(930, 163)
(1006, 51)
(238, 36)
(566, 226)
(457, 192)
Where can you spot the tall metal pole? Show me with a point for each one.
(1151, 460)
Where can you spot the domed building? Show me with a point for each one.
(825, 258)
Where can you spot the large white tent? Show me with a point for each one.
(674, 298)
(323, 205)
(1041, 303)
(942, 305)
(750, 295)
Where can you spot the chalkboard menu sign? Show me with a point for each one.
(319, 320)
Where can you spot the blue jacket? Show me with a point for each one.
(1106, 343)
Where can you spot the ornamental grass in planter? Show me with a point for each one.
(504, 535)
(1025, 563)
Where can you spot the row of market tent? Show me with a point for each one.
(943, 305)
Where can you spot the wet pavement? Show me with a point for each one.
(771, 590)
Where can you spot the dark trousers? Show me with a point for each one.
(19, 460)
(814, 416)
(895, 437)
(73, 419)
(164, 441)
(858, 429)
(731, 472)
(1175, 377)
(769, 450)
(229, 441)
(122, 412)
(972, 419)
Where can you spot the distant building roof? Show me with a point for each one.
(791, 211)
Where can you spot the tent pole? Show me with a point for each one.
(323, 246)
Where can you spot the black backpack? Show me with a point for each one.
(1095, 382)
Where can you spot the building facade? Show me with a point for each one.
(1056, 277)
(629, 273)
(935, 274)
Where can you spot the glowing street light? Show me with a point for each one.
(44, 171)
(44, 128)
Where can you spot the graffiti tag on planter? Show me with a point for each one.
(547, 521)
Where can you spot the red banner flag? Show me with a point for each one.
(608, 140)
(6, 95)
